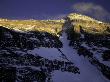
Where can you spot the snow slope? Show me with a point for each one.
(88, 73)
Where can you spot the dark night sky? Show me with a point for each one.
(43, 9)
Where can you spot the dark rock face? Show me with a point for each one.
(106, 55)
(98, 40)
(83, 51)
(27, 40)
(7, 74)
(27, 67)
(27, 74)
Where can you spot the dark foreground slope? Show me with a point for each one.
(17, 64)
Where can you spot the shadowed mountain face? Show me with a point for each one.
(27, 40)
(14, 56)
(80, 48)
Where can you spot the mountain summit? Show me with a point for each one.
(76, 16)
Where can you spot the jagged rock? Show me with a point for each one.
(25, 63)
(27, 40)
(85, 52)
(7, 74)
(106, 55)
